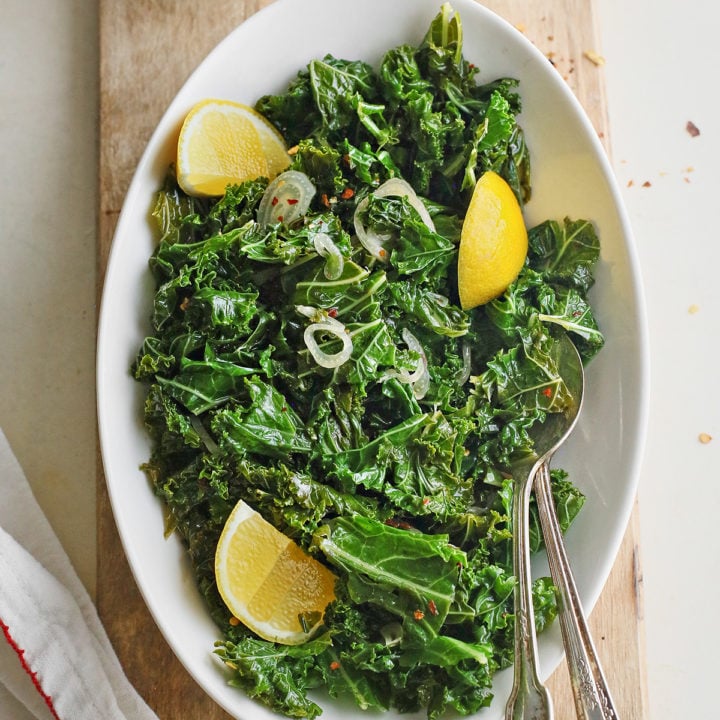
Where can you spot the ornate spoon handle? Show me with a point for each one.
(592, 695)
(529, 699)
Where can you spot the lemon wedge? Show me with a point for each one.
(493, 242)
(268, 582)
(223, 142)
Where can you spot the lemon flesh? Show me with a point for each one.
(222, 143)
(493, 242)
(269, 583)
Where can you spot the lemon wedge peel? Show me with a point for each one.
(493, 242)
(268, 582)
(222, 142)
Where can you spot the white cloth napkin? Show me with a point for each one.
(56, 662)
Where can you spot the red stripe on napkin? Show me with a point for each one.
(33, 675)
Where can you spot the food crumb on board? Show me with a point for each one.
(693, 309)
(704, 438)
(692, 128)
(686, 172)
(594, 58)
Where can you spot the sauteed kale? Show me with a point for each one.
(402, 449)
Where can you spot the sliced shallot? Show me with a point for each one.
(397, 187)
(325, 247)
(323, 323)
(420, 377)
(286, 199)
(394, 187)
(463, 375)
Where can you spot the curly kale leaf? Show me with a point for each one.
(266, 425)
(553, 286)
(565, 253)
(274, 674)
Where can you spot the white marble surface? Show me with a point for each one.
(661, 59)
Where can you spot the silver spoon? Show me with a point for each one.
(529, 698)
(590, 690)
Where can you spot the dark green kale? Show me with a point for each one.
(422, 116)
(404, 492)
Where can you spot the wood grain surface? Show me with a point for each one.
(147, 50)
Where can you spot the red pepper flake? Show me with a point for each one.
(334, 665)
(647, 183)
(274, 201)
(692, 129)
(426, 501)
(332, 312)
(324, 200)
(292, 201)
(382, 252)
(280, 218)
(432, 607)
(418, 615)
(547, 392)
(347, 193)
(283, 409)
(400, 524)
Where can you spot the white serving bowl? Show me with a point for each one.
(571, 176)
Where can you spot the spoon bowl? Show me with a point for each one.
(549, 435)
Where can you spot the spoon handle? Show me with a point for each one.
(529, 698)
(592, 695)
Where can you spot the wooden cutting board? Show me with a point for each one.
(147, 50)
